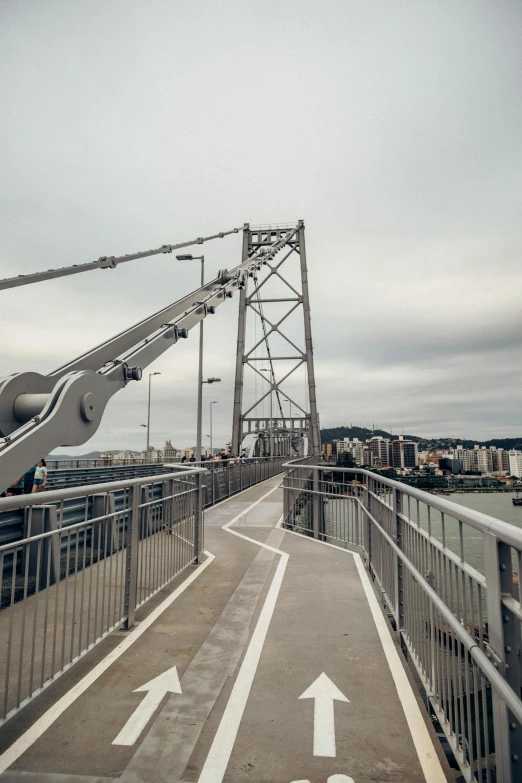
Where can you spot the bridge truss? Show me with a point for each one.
(39, 413)
(275, 346)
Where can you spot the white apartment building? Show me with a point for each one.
(515, 463)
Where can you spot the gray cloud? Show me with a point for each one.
(394, 130)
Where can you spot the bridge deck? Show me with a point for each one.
(264, 616)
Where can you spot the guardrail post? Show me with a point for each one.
(43, 520)
(399, 581)
(285, 500)
(131, 555)
(198, 517)
(503, 643)
(316, 504)
(103, 504)
(368, 528)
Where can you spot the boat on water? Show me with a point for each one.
(517, 501)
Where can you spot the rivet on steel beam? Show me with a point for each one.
(502, 566)
(512, 725)
(514, 757)
(508, 648)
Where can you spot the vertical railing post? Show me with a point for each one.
(368, 530)
(44, 519)
(228, 471)
(399, 580)
(316, 504)
(198, 517)
(501, 644)
(131, 555)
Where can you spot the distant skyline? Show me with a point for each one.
(393, 129)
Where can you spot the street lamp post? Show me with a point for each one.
(189, 257)
(214, 402)
(200, 423)
(265, 369)
(148, 416)
(290, 403)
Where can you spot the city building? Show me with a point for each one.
(515, 463)
(169, 452)
(404, 454)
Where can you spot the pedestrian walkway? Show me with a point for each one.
(269, 661)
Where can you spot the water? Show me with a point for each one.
(496, 504)
(339, 521)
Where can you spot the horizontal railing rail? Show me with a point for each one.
(82, 559)
(226, 478)
(450, 580)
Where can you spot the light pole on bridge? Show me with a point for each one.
(147, 425)
(214, 402)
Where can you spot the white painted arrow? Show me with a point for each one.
(168, 682)
(324, 692)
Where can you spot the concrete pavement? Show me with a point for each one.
(271, 614)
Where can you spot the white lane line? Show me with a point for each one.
(422, 741)
(219, 755)
(428, 758)
(237, 494)
(245, 511)
(47, 719)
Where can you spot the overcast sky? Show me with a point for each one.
(393, 128)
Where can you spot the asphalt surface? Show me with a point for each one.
(311, 602)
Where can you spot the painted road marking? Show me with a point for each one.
(324, 693)
(29, 737)
(331, 779)
(156, 690)
(219, 755)
(428, 759)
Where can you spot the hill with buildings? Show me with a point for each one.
(430, 444)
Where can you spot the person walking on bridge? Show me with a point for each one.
(40, 477)
(29, 480)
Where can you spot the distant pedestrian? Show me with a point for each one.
(29, 480)
(40, 477)
(16, 488)
(184, 458)
(192, 459)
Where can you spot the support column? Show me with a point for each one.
(131, 555)
(314, 419)
(237, 423)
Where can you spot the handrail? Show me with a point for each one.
(460, 627)
(47, 498)
(514, 702)
(486, 524)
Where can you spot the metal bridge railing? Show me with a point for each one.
(80, 560)
(450, 580)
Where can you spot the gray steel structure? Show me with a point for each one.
(104, 262)
(277, 432)
(38, 412)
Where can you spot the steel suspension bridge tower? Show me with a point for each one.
(270, 307)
